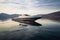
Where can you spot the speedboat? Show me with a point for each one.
(28, 20)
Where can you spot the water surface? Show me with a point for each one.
(11, 30)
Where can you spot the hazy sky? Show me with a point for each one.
(29, 6)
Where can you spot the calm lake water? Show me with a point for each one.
(11, 30)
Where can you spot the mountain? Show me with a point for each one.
(4, 16)
(52, 16)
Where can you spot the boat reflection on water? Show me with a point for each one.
(31, 24)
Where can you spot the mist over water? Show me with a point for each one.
(11, 30)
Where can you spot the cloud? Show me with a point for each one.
(48, 4)
(29, 6)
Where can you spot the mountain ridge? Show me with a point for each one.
(4, 16)
(52, 16)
